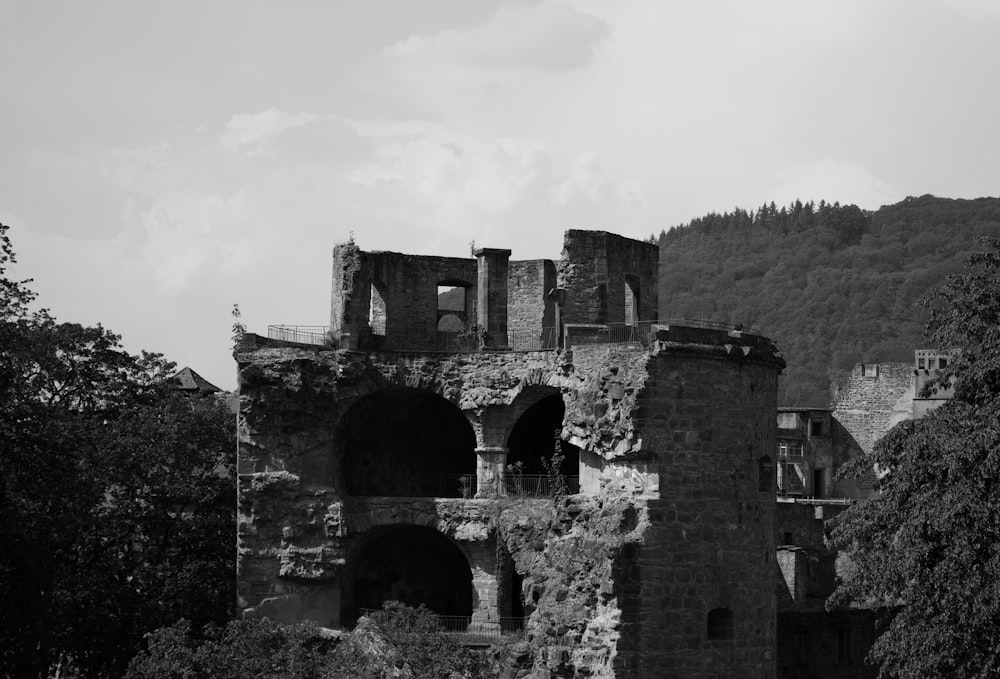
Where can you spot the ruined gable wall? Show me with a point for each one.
(408, 287)
(593, 272)
(868, 407)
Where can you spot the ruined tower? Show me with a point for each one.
(414, 461)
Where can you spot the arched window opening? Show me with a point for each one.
(453, 316)
(720, 624)
(631, 300)
(407, 443)
(377, 310)
(534, 446)
(411, 564)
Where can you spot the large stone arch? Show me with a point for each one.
(405, 562)
(405, 442)
(410, 555)
(534, 427)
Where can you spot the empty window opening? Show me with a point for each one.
(720, 623)
(376, 310)
(869, 370)
(631, 300)
(942, 363)
(816, 427)
(407, 443)
(453, 324)
(791, 479)
(534, 443)
(412, 564)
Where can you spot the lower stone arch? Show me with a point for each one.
(411, 563)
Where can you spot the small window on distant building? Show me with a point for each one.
(869, 370)
(816, 427)
(720, 623)
(921, 364)
(942, 363)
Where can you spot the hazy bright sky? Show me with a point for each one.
(160, 161)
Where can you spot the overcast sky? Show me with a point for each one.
(160, 161)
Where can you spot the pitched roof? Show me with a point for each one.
(189, 380)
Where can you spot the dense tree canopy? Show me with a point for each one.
(927, 546)
(833, 285)
(116, 494)
(397, 641)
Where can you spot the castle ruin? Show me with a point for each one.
(518, 443)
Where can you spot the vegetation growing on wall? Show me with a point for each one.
(833, 285)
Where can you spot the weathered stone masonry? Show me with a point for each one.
(663, 565)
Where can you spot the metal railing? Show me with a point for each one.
(536, 485)
(420, 485)
(641, 333)
(456, 341)
(465, 626)
(533, 340)
(303, 334)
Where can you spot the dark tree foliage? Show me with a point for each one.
(927, 546)
(116, 495)
(396, 641)
(833, 285)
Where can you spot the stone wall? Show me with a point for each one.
(531, 313)
(825, 645)
(707, 414)
(595, 270)
(875, 398)
(408, 288)
(622, 583)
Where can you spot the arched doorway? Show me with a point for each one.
(533, 443)
(411, 564)
(403, 442)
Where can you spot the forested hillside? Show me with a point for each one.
(832, 285)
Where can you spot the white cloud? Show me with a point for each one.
(456, 175)
(588, 181)
(544, 36)
(189, 234)
(832, 180)
(251, 132)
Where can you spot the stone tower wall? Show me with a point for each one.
(707, 417)
(594, 270)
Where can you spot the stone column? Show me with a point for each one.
(491, 310)
(490, 464)
(485, 611)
